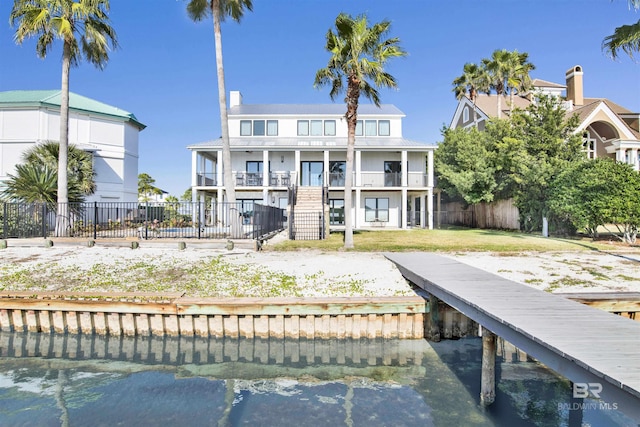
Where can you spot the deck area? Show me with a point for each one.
(582, 343)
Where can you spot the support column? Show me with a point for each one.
(430, 169)
(194, 168)
(434, 318)
(296, 167)
(325, 168)
(430, 209)
(266, 178)
(635, 161)
(356, 213)
(219, 171)
(488, 377)
(358, 169)
(403, 212)
(404, 168)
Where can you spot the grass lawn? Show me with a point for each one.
(454, 240)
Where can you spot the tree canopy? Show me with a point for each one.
(599, 193)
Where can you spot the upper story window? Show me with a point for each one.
(465, 114)
(258, 127)
(316, 127)
(373, 128)
(330, 127)
(589, 145)
(245, 128)
(384, 128)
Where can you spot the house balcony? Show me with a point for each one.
(392, 179)
(256, 179)
(206, 179)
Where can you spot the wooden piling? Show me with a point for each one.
(434, 318)
(488, 377)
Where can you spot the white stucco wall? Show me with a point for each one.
(113, 142)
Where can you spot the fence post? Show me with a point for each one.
(44, 220)
(146, 220)
(199, 203)
(4, 225)
(95, 220)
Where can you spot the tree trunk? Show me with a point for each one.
(229, 185)
(62, 217)
(353, 95)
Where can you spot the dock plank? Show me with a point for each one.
(579, 342)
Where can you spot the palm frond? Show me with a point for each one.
(625, 38)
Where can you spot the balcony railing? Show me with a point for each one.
(206, 179)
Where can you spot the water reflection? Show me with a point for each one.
(97, 380)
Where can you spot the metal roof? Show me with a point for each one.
(313, 109)
(52, 98)
(305, 144)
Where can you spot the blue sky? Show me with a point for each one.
(164, 71)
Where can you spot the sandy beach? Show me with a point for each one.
(314, 273)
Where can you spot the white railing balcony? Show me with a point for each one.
(206, 179)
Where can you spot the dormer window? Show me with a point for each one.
(316, 127)
(384, 128)
(465, 115)
(258, 128)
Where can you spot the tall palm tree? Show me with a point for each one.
(219, 10)
(359, 54)
(625, 38)
(508, 71)
(83, 27)
(518, 79)
(474, 79)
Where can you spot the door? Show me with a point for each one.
(311, 174)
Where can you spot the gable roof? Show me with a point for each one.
(52, 98)
(544, 83)
(314, 143)
(312, 109)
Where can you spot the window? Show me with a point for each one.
(336, 173)
(316, 128)
(384, 128)
(245, 127)
(589, 145)
(303, 127)
(465, 114)
(336, 211)
(376, 209)
(359, 128)
(272, 127)
(330, 128)
(392, 174)
(258, 127)
(370, 128)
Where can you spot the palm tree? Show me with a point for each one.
(83, 26)
(219, 10)
(474, 79)
(358, 56)
(36, 180)
(79, 164)
(146, 187)
(625, 38)
(507, 71)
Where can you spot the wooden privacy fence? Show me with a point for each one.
(501, 215)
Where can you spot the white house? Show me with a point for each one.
(277, 147)
(111, 134)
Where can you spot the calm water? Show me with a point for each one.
(52, 380)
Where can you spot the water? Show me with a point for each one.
(52, 380)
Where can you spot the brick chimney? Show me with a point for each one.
(235, 98)
(575, 92)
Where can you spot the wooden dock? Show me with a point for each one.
(590, 347)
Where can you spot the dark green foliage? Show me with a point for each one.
(597, 193)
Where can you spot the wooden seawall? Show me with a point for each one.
(594, 349)
(175, 315)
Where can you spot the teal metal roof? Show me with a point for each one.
(52, 98)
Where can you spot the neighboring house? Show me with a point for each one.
(153, 197)
(275, 147)
(109, 133)
(608, 129)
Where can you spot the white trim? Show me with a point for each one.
(620, 125)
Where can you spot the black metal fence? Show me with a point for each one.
(307, 226)
(144, 220)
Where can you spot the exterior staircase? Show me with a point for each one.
(307, 218)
